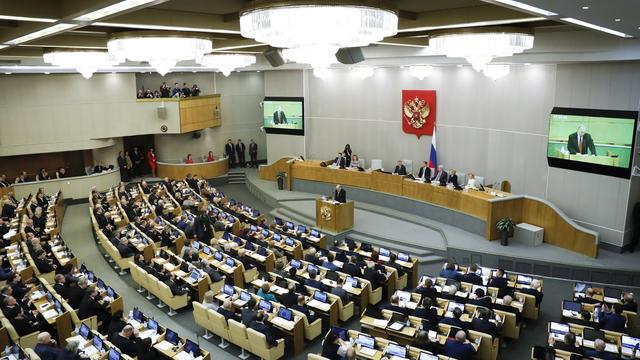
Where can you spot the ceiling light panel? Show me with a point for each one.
(112, 9)
(41, 33)
(527, 7)
(596, 27)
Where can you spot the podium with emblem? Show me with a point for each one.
(333, 216)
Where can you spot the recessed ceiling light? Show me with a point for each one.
(7, 73)
(47, 73)
(527, 64)
(617, 19)
(585, 7)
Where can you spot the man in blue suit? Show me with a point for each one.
(613, 321)
(599, 352)
(460, 348)
(47, 348)
(449, 272)
(263, 328)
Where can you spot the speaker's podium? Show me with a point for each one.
(334, 217)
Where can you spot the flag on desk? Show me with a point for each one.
(433, 159)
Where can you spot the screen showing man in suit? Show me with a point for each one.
(591, 139)
(281, 114)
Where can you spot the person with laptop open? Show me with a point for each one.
(569, 344)
(300, 307)
(259, 326)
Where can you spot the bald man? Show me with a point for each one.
(459, 348)
(340, 195)
(46, 348)
(580, 142)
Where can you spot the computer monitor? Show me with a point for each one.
(90, 276)
(206, 250)
(366, 341)
(290, 225)
(245, 296)
(232, 219)
(320, 296)
(253, 228)
(612, 293)
(285, 313)
(262, 251)
(228, 289)
(58, 306)
(137, 315)
(226, 235)
(191, 348)
(196, 245)
(425, 356)
(223, 215)
(353, 282)
(217, 256)
(230, 262)
(100, 284)
(265, 233)
(452, 305)
(97, 343)
(302, 229)
(332, 275)
(265, 305)
(524, 280)
(237, 240)
(313, 268)
(340, 332)
(397, 350)
(255, 213)
(295, 264)
(110, 292)
(571, 306)
(83, 269)
(171, 336)
(475, 287)
(289, 242)
(424, 278)
(152, 325)
(114, 354)
(403, 257)
(278, 221)
(315, 233)
(592, 334)
(249, 246)
(195, 274)
(629, 342)
(384, 252)
(558, 328)
(84, 331)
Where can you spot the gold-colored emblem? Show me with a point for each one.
(416, 112)
(325, 212)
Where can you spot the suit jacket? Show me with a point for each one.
(430, 315)
(568, 347)
(267, 331)
(90, 307)
(453, 179)
(484, 326)
(126, 345)
(587, 144)
(315, 284)
(600, 355)
(227, 314)
(455, 322)
(396, 308)
(400, 170)
(253, 148)
(375, 278)
(340, 196)
(125, 251)
(229, 150)
(43, 265)
(303, 310)
(351, 269)
(23, 326)
(450, 274)
(483, 301)
(240, 148)
(430, 293)
(76, 295)
(440, 177)
(424, 172)
(8, 210)
(340, 161)
(248, 316)
(458, 350)
(68, 355)
(533, 292)
(47, 352)
(474, 279)
(613, 322)
(279, 117)
(342, 294)
(289, 299)
(509, 309)
(499, 283)
(175, 289)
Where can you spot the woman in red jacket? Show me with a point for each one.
(151, 157)
(210, 158)
(189, 159)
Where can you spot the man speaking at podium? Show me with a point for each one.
(340, 195)
(580, 142)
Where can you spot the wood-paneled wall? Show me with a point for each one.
(200, 112)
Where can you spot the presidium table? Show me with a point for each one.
(489, 206)
(334, 216)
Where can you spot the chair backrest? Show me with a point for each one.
(217, 321)
(256, 338)
(312, 356)
(376, 164)
(479, 180)
(462, 179)
(200, 313)
(237, 331)
(13, 334)
(408, 164)
(164, 290)
(505, 186)
(304, 318)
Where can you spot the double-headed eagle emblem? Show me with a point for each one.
(415, 112)
(325, 212)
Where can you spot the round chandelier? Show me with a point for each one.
(86, 62)
(162, 50)
(480, 46)
(318, 27)
(420, 71)
(226, 63)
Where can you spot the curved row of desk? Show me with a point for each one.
(205, 170)
(481, 210)
(75, 187)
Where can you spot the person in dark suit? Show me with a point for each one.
(340, 161)
(248, 314)
(374, 276)
(229, 151)
(70, 352)
(629, 303)
(613, 320)
(116, 325)
(569, 344)
(400, 168)
(330, 346)
(125, 249)
(394, 305)
(279, 117)
(535, 289)
(301, 307)
(240, 151)
(481, 299)
(77, 291)
(506, 307)
(426, 312)
(453, 178)
(588, 297)
(351, 268)
(424, 173)
(176, 290)
(265, 329)
(43, 264)
(313, 282)
(426, 290)
(580, 142)
(253, 153)
(499, 281)
(290, 298)
(449, 272)
(455, 320)
(483, 325)
(228, 311)
(471, 277)
(440, 175)
(459, 348)
(46, 348)
(340, 195)
(126, 341)
(89, 306)
(599, 353)
(340, 292)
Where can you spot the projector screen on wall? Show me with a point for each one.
(283, 115)
(595, 141)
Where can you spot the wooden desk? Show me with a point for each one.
(334, 217)
(385, 182)
(206, 170)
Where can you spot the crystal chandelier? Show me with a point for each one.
(161, 50)
(226, 63)
(420, 71)
(480, 47)
(364, 72)
(319, 28)
(496, 71)
(86, 62)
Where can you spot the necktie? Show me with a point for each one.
(580, 143)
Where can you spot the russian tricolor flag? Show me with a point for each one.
(433, 159)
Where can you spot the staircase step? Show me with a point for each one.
(406, 248)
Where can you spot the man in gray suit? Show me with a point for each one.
(340, 292)
(279, 117)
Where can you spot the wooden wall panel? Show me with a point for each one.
(206, 170)
(200, 112)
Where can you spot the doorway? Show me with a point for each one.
(143, 143)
